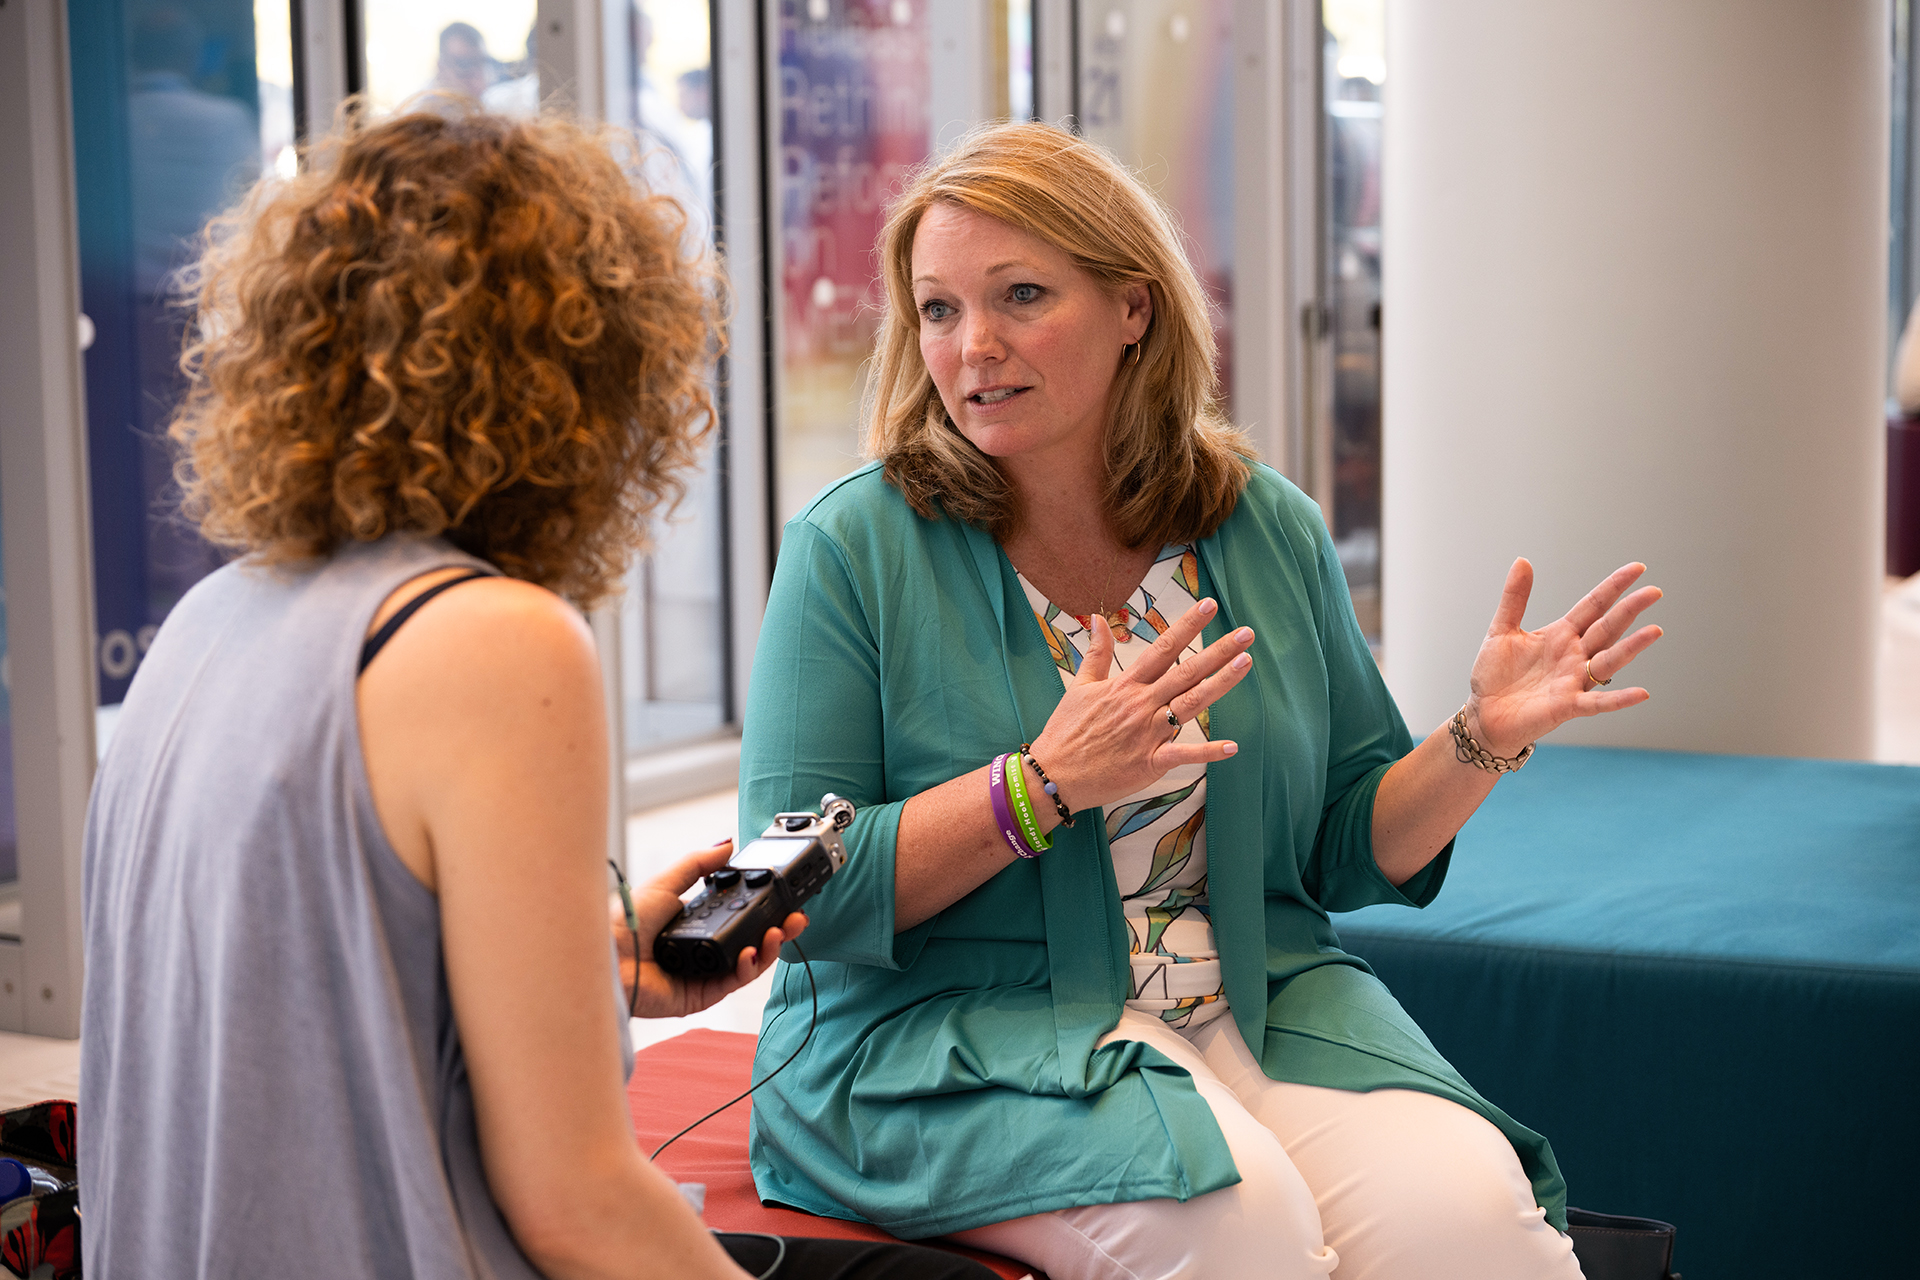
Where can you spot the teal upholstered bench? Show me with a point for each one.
(1700, 977)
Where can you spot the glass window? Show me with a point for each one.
(481, 50)
(851, 113)
(1355, 70)
(673, 616)
(1903, 258)
(1156, 87)
(1020, 59)
(178, 106)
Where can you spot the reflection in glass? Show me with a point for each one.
(1156, 87)
(1903, 246)
(475, 50)
(178, 107)
(852, 120)
(1354, 72)
(673, 631)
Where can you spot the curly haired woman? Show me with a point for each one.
(351, 1007)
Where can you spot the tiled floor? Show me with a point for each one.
(33, 1068)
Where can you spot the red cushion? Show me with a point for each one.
(676, 1082)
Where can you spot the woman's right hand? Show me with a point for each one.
(1109, 736)
(655, 903)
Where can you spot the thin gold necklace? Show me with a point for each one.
(1119, 620)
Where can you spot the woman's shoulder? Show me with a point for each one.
(858, 499)
(494, 627)
(864, 515)
(1272, 504)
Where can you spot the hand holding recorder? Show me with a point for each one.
(757, 888)
(655, 904)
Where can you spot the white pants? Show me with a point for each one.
(1389, 1185)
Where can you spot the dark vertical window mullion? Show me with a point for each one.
(353, 26)
(723, 399)
(297, 30)
(1073, 66)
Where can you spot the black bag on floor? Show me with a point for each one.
(1612, 1246)
(41, 1225)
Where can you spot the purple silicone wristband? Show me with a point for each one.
(1003, 811)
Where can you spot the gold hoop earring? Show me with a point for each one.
(1134, 359)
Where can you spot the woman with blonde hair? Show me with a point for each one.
(1120, 748)
(351, 1006)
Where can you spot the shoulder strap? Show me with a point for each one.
(378, 640)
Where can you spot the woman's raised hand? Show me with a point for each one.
(1526, 684)
(1109, 736)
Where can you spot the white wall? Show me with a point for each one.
(1636, 266)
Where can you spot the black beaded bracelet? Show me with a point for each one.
(1047, 785)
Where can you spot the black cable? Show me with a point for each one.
(779, 1244)
(633, 1002)
(813, 990)
(633, 931)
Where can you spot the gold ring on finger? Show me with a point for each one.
(1596, 681)
(1172, 719)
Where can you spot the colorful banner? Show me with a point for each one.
(852, 124)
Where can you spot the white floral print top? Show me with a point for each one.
(1157, 835)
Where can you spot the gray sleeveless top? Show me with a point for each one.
(271, 1080)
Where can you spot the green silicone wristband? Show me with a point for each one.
(1023, 806)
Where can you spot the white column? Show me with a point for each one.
(1635, 284)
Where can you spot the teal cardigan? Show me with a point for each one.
(900, 652)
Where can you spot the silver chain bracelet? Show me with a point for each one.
(1468, 751)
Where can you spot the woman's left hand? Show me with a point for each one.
(661, 995)
(1526, 684)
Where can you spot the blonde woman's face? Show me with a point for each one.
(1022, 344)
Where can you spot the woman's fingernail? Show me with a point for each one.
(1244, 635)
(1229, 747)
(1207, 606)
(1241, 663)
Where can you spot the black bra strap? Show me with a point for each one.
(378, 640)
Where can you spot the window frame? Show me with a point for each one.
(49, 554)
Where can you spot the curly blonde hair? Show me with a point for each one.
(455, 324)
(1175, 465)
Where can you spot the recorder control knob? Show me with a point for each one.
(723, 879)
(758, 878)
(797, 821)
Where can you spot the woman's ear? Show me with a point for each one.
(1138, 298)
